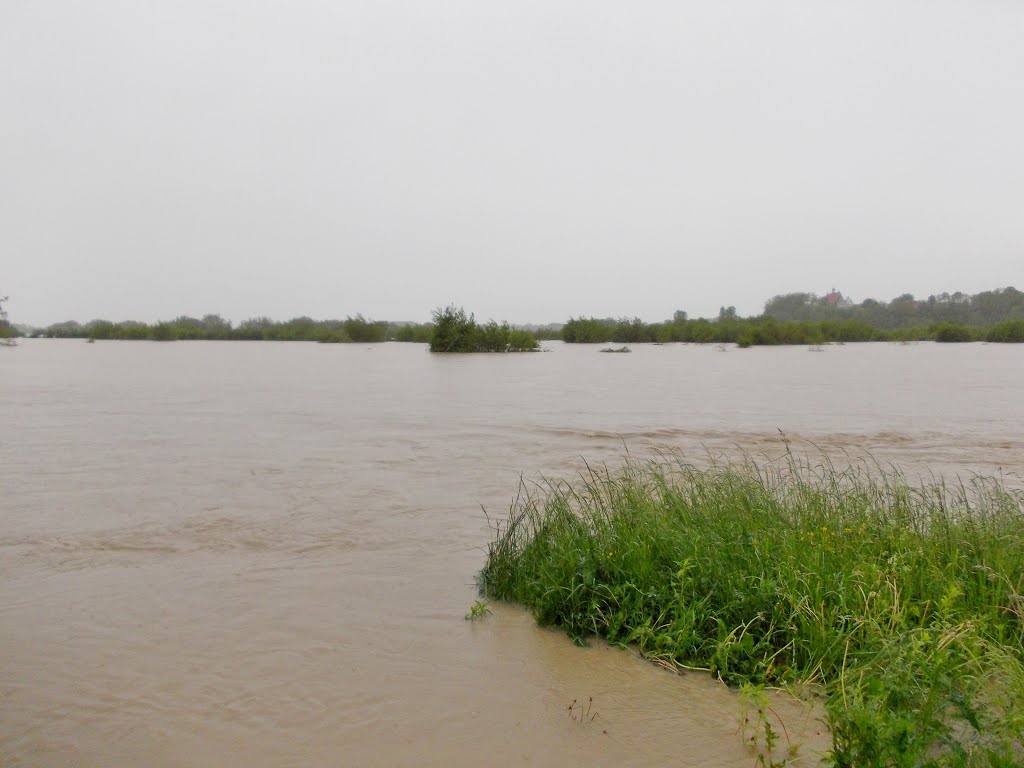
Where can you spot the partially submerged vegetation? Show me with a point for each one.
(454, 331)
(804, 318)
(796, 318)
(901, 604)
(213, 327)
(979, 310)
(7, 331)
(767, 331)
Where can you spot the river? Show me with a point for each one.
(261, 554)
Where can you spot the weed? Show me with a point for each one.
(760, 734)
(478, 610)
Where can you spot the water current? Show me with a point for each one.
(260, 554)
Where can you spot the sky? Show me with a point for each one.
(530, 160)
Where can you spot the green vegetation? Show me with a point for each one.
(980, 310)
(453, 331)
(796, 318)
(903, 605)
(804, 318)
(7, 331)
(1006, 331)
(419, 334)
(213, 327)
(478, 610)
(952, 332)
(767, 331)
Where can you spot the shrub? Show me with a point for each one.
(587, 331)
(1008, 331)
(951, 332)
(453, 331)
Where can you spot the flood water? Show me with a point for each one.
(219, 554)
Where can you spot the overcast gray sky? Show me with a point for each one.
(530, 160)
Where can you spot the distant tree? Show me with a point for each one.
(185, 327)
(632, 330)
(952, 332)
(7, 331)
(101, 329)
(903, 310)
(361, 330)
(162, 332)
(255, 328)
(587, 331)
(1008, 331)
(216, 327)
(455, 332)
(413, 333)
(67, 330)
(791, 306)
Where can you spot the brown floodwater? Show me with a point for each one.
(218, 554)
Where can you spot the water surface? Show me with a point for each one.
(215, 554)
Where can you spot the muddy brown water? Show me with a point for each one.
(218, 554)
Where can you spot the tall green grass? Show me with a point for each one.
(901, 603)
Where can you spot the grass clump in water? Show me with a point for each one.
(901, 603)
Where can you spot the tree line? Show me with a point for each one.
(766, 330)
(793, 318)
(979, 310)
(213, 327)
(7, 331)
(804, 318)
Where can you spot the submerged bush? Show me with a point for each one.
(453, 331)
(902, 603)
(1008, 331)
(413, 333)
(587, 331)
(952, 332)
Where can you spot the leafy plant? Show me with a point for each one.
(478, 610)
(762, 727)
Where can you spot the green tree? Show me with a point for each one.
(6, 329)
(1008, 331)
(360, 329)
(453, 331)
(587, 331)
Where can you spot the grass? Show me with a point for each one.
(902, 604)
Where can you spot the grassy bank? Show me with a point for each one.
(900, 603)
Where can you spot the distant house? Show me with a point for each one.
(835, 299)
